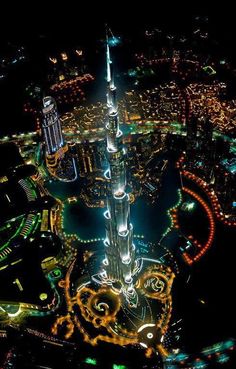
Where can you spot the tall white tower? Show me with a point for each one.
(119, 259)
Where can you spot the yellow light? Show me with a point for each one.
(43, 296)
(13, 315)
(64, 56)
(53, 60)
(79, 52)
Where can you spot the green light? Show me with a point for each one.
(56, 273)
(132, 72)
(228, 344)
(223, 358)
(209, 70)
(90, 361)
(182, 357)
(189, 206)
(118, 366)
(43, 296)
(200, 364)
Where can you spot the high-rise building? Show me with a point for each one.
(205, 140)
(191, 138)
(225, 185)
(200, 146)
(119, 259)
(129, 296)
(59, 161)
(51, 126)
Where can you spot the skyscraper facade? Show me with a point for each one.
(191, 139)
(59, 161)
(51, 126)
(119, 262)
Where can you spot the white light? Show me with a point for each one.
(176, 351)
(150, 335)
(126, 259)
(143, 344)
(82, 285)
(106, 214)
(107, 174)
(119, 133)
(128, 279)
(145, 326)
(12, 315)
(131, 289)
(104, 274)
(106, 242)
(119, 194)
(123, 229)
(105, 261)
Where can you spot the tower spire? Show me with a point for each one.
(111, 88)
(108, 59)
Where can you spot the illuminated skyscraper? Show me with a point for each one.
(119, 262)
(59, 162)
(191, 139)
(51, 126)
(127, 300)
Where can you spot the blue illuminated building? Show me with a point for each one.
(119, 258)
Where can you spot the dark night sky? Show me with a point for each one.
(84, 19)
(71, 22)
(26, 19)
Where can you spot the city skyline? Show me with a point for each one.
(118, 197)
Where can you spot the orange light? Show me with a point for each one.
(64, 56)
(53, 60)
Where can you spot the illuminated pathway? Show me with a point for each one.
(224, 218)
(212, 196)
(206, 246)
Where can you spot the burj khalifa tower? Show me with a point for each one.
(119, 262)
